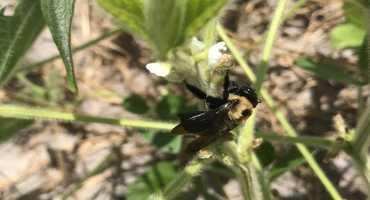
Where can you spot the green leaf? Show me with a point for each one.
(289, 161)
(135, 104)
(170, 106)
(130, 13)
(154, 180)
(165, 24)
(198, 13)
(347, 35)
(17, 33)
(265, 153)
(363, 60)
(58, 15)
(163, 141)
(9, 127)
(171, 22)
(354, 13)
(328, 70)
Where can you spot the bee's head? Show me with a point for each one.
(247, 92)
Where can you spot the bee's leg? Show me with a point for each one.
(196, 91)
(212, 102)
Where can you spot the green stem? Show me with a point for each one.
(240, 167)
(306, 140)
(363, 167)
(46, 114)
(265, 187)
(360, 101)
(361, 140)
(277, 18)
(19, 112)
(245, 180)
(367, 14)
(294, 8)
(280, 116)
(74, 50)
(105, 164)
(245, 139)
(303, 149)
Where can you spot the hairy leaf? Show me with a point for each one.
(347, 35)
(163, 141)
(165, 24)
(328, 70)
(9, 127)
(170, 106)
(17, 33)
(58, 15)
(354, 14)
(266, 153)
(198, 13)
(289, 161)
(363, 60)
(130, 13)
(135, 104)
(154, 180)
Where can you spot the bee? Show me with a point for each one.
(221, 116)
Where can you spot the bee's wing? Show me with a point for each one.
(195, 122)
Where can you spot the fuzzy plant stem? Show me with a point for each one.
(20, 112)
(290, 131)
(360, 146)
(277, 18)
(361, 140)
(265, 186)
(240, 167)
(306, 140)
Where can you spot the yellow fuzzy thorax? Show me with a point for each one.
(243, 104)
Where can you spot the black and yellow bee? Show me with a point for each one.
(222, 115)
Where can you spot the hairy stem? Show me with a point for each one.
(265, 186)
(306, 140)
(277, 18)
(280, 116)
(19, 112)
(361, 140)
(241, 169)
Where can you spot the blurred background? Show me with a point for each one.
(58, 160)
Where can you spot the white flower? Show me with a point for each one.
(196, 45)
(159, 68)
(216, 54)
